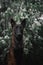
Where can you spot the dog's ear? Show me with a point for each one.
(12, 22)
(23, 23)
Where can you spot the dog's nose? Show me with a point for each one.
(19, 34)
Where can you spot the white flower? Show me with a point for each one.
(41, 17)
(29, 9)
(27, 39)
(37, 23)
(8, 8)
(22, 17)
(1, 38)
(39, 37)
(22, 14)
(3, 14)
(12, 10)
(0, 6)
(3, 41)
(5, 11)
(35, 19)
(33, 26)
(6, 37)
(18, 22)
(26, 50)
(24, 9)
(5, 49)
(26, 16)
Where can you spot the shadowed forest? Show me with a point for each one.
(32, 11)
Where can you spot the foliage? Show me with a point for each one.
(33, 30)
